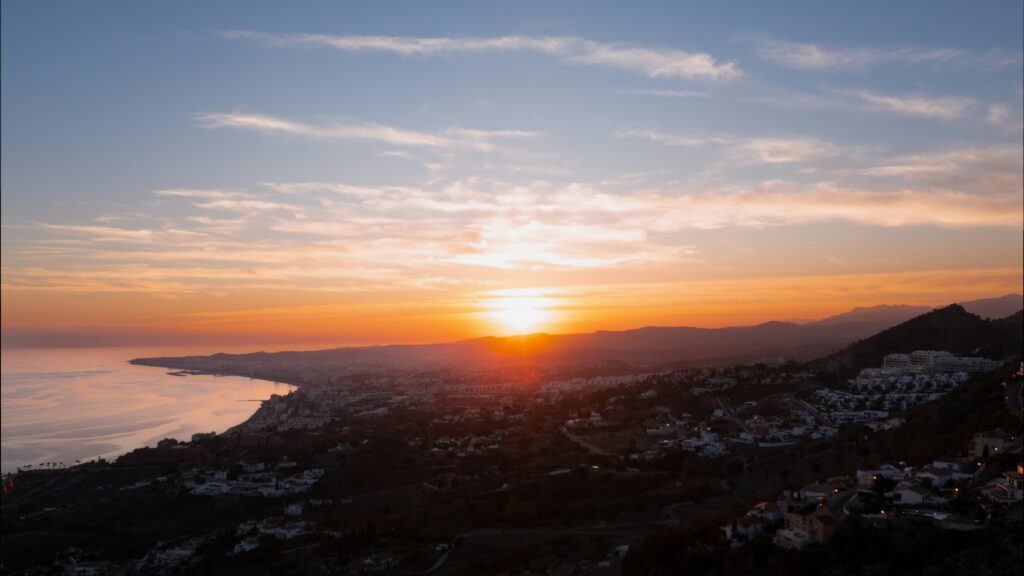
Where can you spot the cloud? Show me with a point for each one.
(770, 150)
(668, 93)
(985, 170)
(775, 205)
(945, 107)
(246, 206)
(651, 62)
(101, 233)
(334, 237)
(865, 101)
(787, 150)
(481, 140)
(807, 56)
(202, 194)
(997, 114)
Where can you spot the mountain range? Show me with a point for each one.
(889, 315)
(657, 346)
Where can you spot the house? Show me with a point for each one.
(770, 511)
(955, 464)
(743, 529)
(808, 525)
(988, 443)
(818, 492)
(1007, 488)
(912, 494)
(936, 476)
(888, 471)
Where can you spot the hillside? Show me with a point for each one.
(886, 315)
(951, 328)
(942, 428)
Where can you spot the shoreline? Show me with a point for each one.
(179, 372)
(207, 372)
(185, 371)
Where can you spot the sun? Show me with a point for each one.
(521, 314)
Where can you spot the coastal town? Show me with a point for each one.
(414, 472)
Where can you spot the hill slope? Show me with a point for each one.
(951, 328)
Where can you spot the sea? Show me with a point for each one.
(66, 405)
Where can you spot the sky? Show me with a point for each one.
(377, 172)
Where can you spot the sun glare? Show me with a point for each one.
(521, 314)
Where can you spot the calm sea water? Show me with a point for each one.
(68, 404)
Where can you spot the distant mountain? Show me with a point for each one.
(951, 328)
(651, 346)
(888, 315)
(885, 315)
(1000, 307)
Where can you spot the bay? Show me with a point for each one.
(62, 405)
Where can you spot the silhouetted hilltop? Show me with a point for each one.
(886, 315)
(889, 315)
(951, 328)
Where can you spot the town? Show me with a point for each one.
(395, 471)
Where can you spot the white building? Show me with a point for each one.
(896, 362)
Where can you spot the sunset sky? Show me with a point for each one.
(383, 172)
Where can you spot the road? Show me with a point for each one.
(587, 445)
(838, 504)
(732, 415)
(440, 561)
(672, 512)
(817, 413)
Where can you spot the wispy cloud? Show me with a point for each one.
(992, 171)
(943, 107)
(759, 150)
(649, 61)
(482, 140)
(779, 205)
(101, 233)
(203, 193)
(668, 93)
(862, 100)
(997, 114)
(807, 56)
(378, 245)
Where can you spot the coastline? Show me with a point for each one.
(92, 412)
(193, 371)
(158, 363)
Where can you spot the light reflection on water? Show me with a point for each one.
(67, 404)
